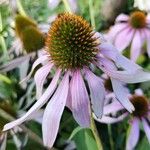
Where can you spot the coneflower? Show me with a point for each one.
(141, 114)
(72, 47)
(131, 30)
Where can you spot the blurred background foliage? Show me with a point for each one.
(14, 99)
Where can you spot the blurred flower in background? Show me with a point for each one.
(131, 30)
(114, 112)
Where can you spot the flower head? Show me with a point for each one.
(31, 37)
(140, 104)
(141, 114)
(135, 30)
(71, 49)
(71, 43)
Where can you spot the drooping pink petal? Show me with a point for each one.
(114, 30)
(97, 93)
(136, 76)
(40, 77)
(125, 63)
(122, 94)
(14, 63)
(44, 98)
(110, 120)
(124, 38)
(112, 108)
(53, 112)
(109, 51)
(136, 46)
(146, 129)
(80, 100)
(122, 17)
(35, 64)
(133, 136)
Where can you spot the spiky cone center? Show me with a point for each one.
(71, 42)
(32, 39)
(140, 104)
(138, 19)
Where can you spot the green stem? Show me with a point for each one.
(31, 134)
(20, 8)
(2, 41)
(95, 133)
(67, 5)
(91, 10)
(110, 137)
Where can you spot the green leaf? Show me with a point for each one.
(143, 144)
(75, 131)
(84, 139)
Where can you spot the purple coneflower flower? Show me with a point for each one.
(72, 49)
(141, 114)
(134, 30)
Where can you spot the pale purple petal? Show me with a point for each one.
(14, 63)
(110, 120)
(122, 17)
(124, 38)
(109, 51)
(133, 135)
(121, 93)
(97, 93)
(35, 64)
(44, 98)
(112, 108)
(136, 76)
(146, 127)
(53, 112)
(136, 46)
(114, 30)
(80, 100)
(40, 77)
(126, 64)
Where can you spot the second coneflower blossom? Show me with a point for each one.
(141, 114)
(134, 30)
(72, 48)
